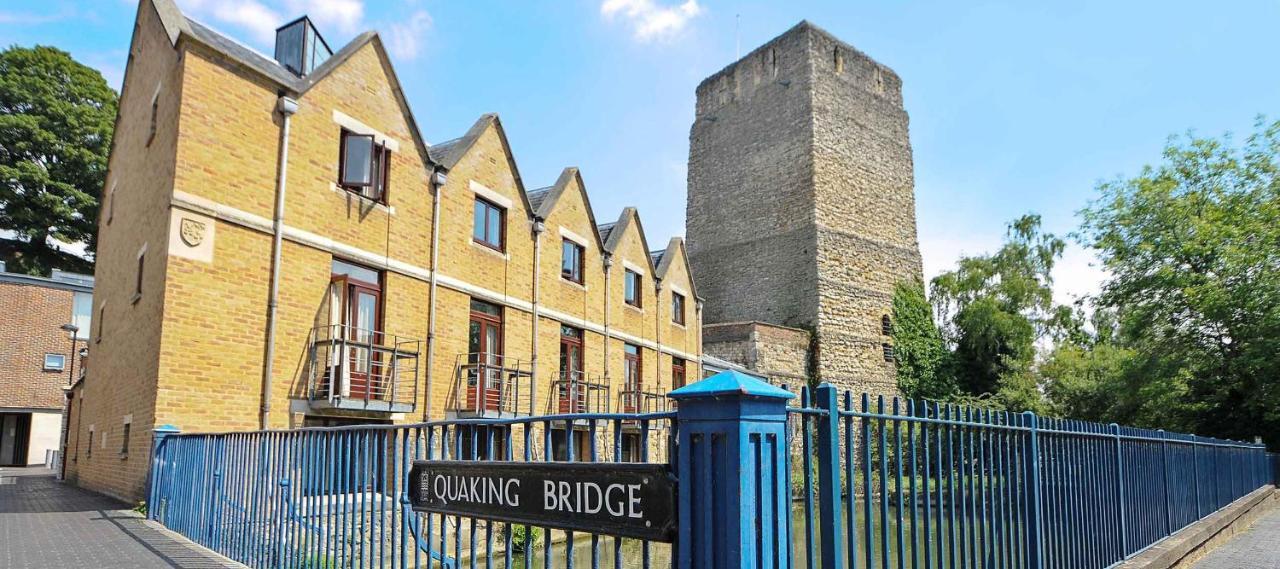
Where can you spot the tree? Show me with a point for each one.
(56, 119)
(918, 346)
(1193, 248)
(994, 307)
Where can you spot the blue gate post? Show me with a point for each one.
(1164, 475)
(1031, 458)
(1120, 499)
(732, 462)
(159, 434)
(829, 478)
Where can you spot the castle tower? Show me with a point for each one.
(801, 207)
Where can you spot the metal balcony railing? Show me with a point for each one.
(576, 392)
(633, 399)
(357, 369)
(490, 385)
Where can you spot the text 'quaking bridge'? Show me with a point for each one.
(833, 482)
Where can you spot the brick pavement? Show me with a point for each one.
(1256, 548)
(46, 523)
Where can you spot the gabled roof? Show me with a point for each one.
(448, 153)
(179, 26)
(547, 199)
(664, 258)
(628, 218)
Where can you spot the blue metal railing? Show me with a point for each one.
(868, 483)
(885, 484)
(338, 497)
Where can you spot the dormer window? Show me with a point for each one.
(299, 47)
(364, 166)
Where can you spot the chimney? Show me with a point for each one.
(300, 48)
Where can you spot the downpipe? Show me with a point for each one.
(286, 107)
(438, 180)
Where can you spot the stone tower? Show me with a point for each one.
(801, 207)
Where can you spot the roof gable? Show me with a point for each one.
(549, 197)
(629, 221)
(454, 150)
(667, 257)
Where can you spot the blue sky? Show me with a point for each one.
(1014, 107)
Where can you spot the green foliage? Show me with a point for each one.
(1193, 249)
(320, 561)
(524, 538)
(918, 346)
(141, 508)
(993, 309)
(56, 120)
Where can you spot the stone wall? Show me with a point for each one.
(801, 208)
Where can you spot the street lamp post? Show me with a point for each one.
(61, 467)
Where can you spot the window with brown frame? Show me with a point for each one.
(677, 373)
(364, 166)
(571, 255)
(886, 325)
(677, 308)
(632, 282)
(490, 225)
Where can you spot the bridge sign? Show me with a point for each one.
(622, 499)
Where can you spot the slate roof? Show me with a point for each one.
(605, 230)
(448, 153)
(656, 256)
(536, 197)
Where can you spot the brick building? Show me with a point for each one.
(801, 210)
(278, 247)
(37, 359)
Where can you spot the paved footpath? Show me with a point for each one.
(46, 523)
(1257, 548)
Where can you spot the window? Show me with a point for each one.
(888, 351)
(484, 442)
(677, 308)
(124, 440)
(155, 116)
(364, 166)
(484, 357)
(886, 325)
(355, 315)
(137, 281)
(632, 281)
(631, 448)
(82, 314)
(631, 367)
(571, 261)
(55, 362)
(677, 373)
(489, 228)
(102, 308)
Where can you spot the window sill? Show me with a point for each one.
(341, 191)
(573, 283)
(679, 325)
(490, 250)
(634, 307)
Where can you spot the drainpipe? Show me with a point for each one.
(538, 228)
(438, 180)
(608, 264)
(286, 107)
(657, 332)
(697, 303)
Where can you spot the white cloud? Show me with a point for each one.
(252, 16)
(260, 19)
(650, 21)
(404, 39)
(343, 16)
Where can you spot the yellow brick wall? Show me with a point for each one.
(120, 382)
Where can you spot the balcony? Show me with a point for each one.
(576, 392)
(489, 385)
(362, 370)
(636, 400)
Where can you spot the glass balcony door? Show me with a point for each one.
(573, 395)
(484, 380)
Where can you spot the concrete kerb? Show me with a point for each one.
(1193, 542)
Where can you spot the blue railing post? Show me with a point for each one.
(1195, 473)
(1031, 458)
(732, 461)
(1164, 472)
(159, 434)
(281, 514)
(829, 505)
(1120, 502)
